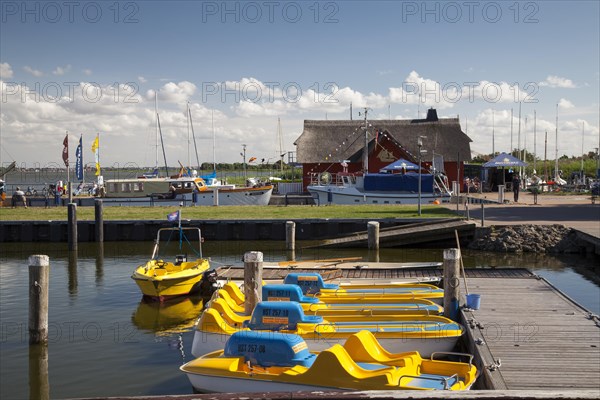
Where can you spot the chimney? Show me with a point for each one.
(431, 115)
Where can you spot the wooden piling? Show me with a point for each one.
(99, 217)
(72, 226)
(39, 275)
(451, 282)
(215, 196)
(373, 235)
(290, 235)
(482, 214)
(253, 266)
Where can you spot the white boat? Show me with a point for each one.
(380, 188)
(187, 190)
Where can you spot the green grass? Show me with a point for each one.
(228, 212)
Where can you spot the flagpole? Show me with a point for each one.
(68, 174)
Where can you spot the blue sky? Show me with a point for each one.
(231, 60)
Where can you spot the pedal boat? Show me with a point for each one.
(425, 334)
(231, 298)
(277, 362)
(312, 284)
(161, 280)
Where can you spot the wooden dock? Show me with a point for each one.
(528, 335)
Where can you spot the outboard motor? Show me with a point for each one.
(208, 285)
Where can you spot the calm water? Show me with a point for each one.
(105, 341)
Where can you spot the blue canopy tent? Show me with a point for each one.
(400, 165)
(504, 160)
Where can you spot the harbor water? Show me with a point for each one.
(104, 340)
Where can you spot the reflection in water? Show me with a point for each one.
(39, 387)
(99, 263)
(72, 268)
(167, 317)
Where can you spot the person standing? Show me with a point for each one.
(516, 186)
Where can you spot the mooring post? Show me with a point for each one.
(373, 235)
(451, 282)
(215, 196)
(72, 226)
(253, 266)
(482, 214)
(39, 267)
(99, 228)
(290, 235)
(69, 192)
(467, 209)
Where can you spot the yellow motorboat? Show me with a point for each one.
(159, 279)
(254, 362)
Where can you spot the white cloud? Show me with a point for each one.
(554, 81)
(565, 104)
(87, 72)
(6, 71)
(59, 71)
(176, 92)
(142, 79)
(35, 72)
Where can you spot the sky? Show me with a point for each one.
(95, 68)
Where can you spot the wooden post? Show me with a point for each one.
(451, 283)
(215, 196)
(482, 214)
(373, 235)
(39, 387)
(39, 267)
(253, 265)
(99, 227)
(290, 235)
(70, 191)
(72, 226)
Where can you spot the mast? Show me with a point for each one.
(534, 141)
(213, 132)
(68, 166)
(156, 130)
(493, 136)
(556, 148)
(163, 146)
(519, 140)
(366, 151)
(582, 140)
(279, 136)
(193, 135)
(187, 120)
(511, 131)
(546, 157)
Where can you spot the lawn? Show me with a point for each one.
(229, 212)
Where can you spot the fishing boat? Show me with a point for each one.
(159, 279)
(234, 299)
(426, 334)
(254, 362)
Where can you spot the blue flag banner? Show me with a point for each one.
(173, 217)
(79, 161)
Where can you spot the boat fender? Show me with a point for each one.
(208, 285)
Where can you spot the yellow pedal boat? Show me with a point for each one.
(426, 334)
(254, 362)
(160, 280)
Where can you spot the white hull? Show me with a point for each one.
(348, 195)
(211, 383)
(205, 342)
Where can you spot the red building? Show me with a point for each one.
(331, 146)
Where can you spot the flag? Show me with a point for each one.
(96, 151)
(65, 155)
(79, 160)
(173, 217)
(252, 159)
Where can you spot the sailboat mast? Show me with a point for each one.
(187, 118)
(366, 155)
(556, 148)
(534, 141)
(493, 136)
(582, 140)
(281, 153)
(214, 136)
(193, 136)
(156, 130)
(163, 146)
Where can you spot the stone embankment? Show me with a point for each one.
(526, 238)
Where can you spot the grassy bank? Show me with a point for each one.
(227, 212)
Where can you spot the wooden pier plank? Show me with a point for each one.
(544, 340)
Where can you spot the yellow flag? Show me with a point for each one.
(95, 145)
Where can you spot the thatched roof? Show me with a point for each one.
(337, 140)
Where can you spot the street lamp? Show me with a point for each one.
(420, 144)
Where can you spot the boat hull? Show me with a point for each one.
(207, 342)
(331, 194)
(169, 284)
